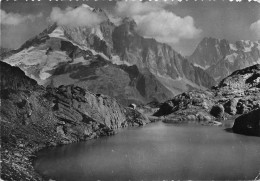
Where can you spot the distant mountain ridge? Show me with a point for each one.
(102, 58)
(220, 57)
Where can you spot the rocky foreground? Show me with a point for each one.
(33, 117)
(236, 97)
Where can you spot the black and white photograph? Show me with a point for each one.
(129, 90)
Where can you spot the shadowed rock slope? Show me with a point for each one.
(235, 95)
(33, 118)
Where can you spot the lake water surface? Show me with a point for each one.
(157, 151)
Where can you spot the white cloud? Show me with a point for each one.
(80, 16)
(132, 8)
(15, 18)
(154, 21)
(114, 19)
(255, 27)
(166, 27)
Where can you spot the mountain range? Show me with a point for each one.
(115, 60)
(108, 59)
(219, 58)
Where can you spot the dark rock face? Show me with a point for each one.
(33, 117)
(248, 123)
(13, 78)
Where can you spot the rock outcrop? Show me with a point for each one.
(188, 106)
(235, 95)
(248, 123)
(33, 117)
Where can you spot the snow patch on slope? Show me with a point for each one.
(87, 6)
(249, 48)
(233, 47)
(258, 45)
(96, 31)
(204, 68)
(116, 60)
(59, 33)
(36, 64)
(231, 58)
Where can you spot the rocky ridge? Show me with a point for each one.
(159, 58)
(33, 118)
(235, 95)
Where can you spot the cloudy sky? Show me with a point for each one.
(179, 24)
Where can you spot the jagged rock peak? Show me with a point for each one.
(87, 6)
(130, 23)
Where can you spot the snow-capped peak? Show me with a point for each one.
(233, 47)
(57, 33)
(87, 6)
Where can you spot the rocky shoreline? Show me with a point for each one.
(236, 97)
(17, 163)
(33, 118)
(17, 157)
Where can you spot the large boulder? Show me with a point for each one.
(248, 124)
(217, 111)
(231, 106)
